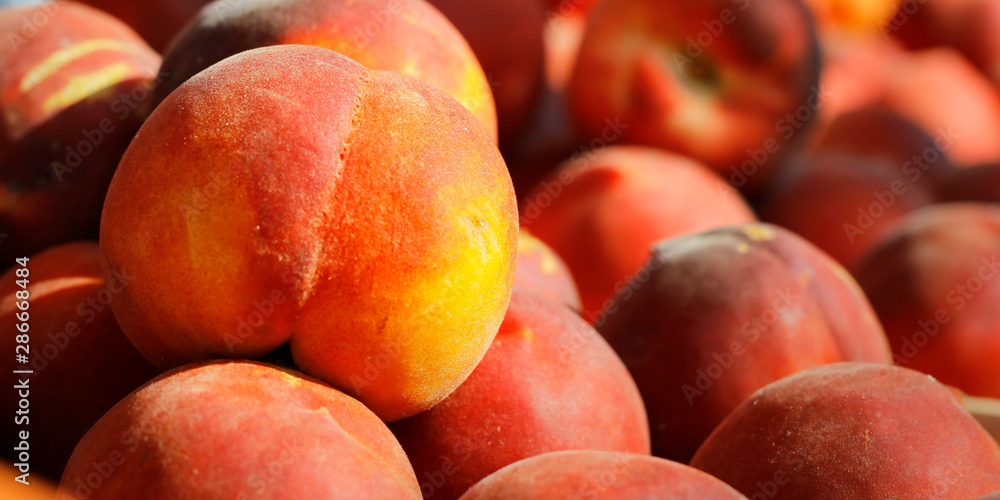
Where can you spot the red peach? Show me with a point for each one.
(238, 430)
(942, 92)
(74, 90)
(853, 430)
(602, 211)
(157, 21)
(870, 168)
(934, 281)
(597, 474)
(715, 316)
(548, 383)
(82, 363)
(731, 84)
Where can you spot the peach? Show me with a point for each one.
(157, 21)
(82, 363)
(934, 281)
(238, 430)
(869, 169)
(965, 110)
(715, 316)
(289, 195)
(507, 37)
(548, 383)
(599, 474)
(407, 36)
(730, 83)
(542, 271)
(74, 89)
(601, 212)
(853, 430)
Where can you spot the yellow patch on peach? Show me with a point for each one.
(758, 232)
(529, 244)
(87, 85)
(59, 59)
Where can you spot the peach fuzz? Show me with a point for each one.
(714, 316)
(934, 281)
(289, 195)
(603, 211)
(853, 430)
(730, 83)
(82, 363)
(74, 89)
(238, 430)
(542, 271)
(406, 36)
(596, 474)
(548, 383)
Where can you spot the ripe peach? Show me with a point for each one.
(542, 271)
(289, 195)
(853, 430)
(602, 212)
(870, 168)
(238, 430)
(157, 21)
(81, 360)
(934, 281)
(548, 383)
(599, 474)
(506, 36)
(74, 89)
(407, 36)
(965, 109)
(729, 83)
(715, 316)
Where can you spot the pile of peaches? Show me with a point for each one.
(500, 249)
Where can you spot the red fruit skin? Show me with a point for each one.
(405, 36)
(966, 114)
(368, 216)
(715, 316)
(82, 362)
(231, 429)
(868, 170)
(602, 213)
(933, 282)
(729, 100)
(157, 21)
(979, 183)
(853, 430)
(507, 38)
(542, 271)
(74, 90)
(548, 383)
(596, 474)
